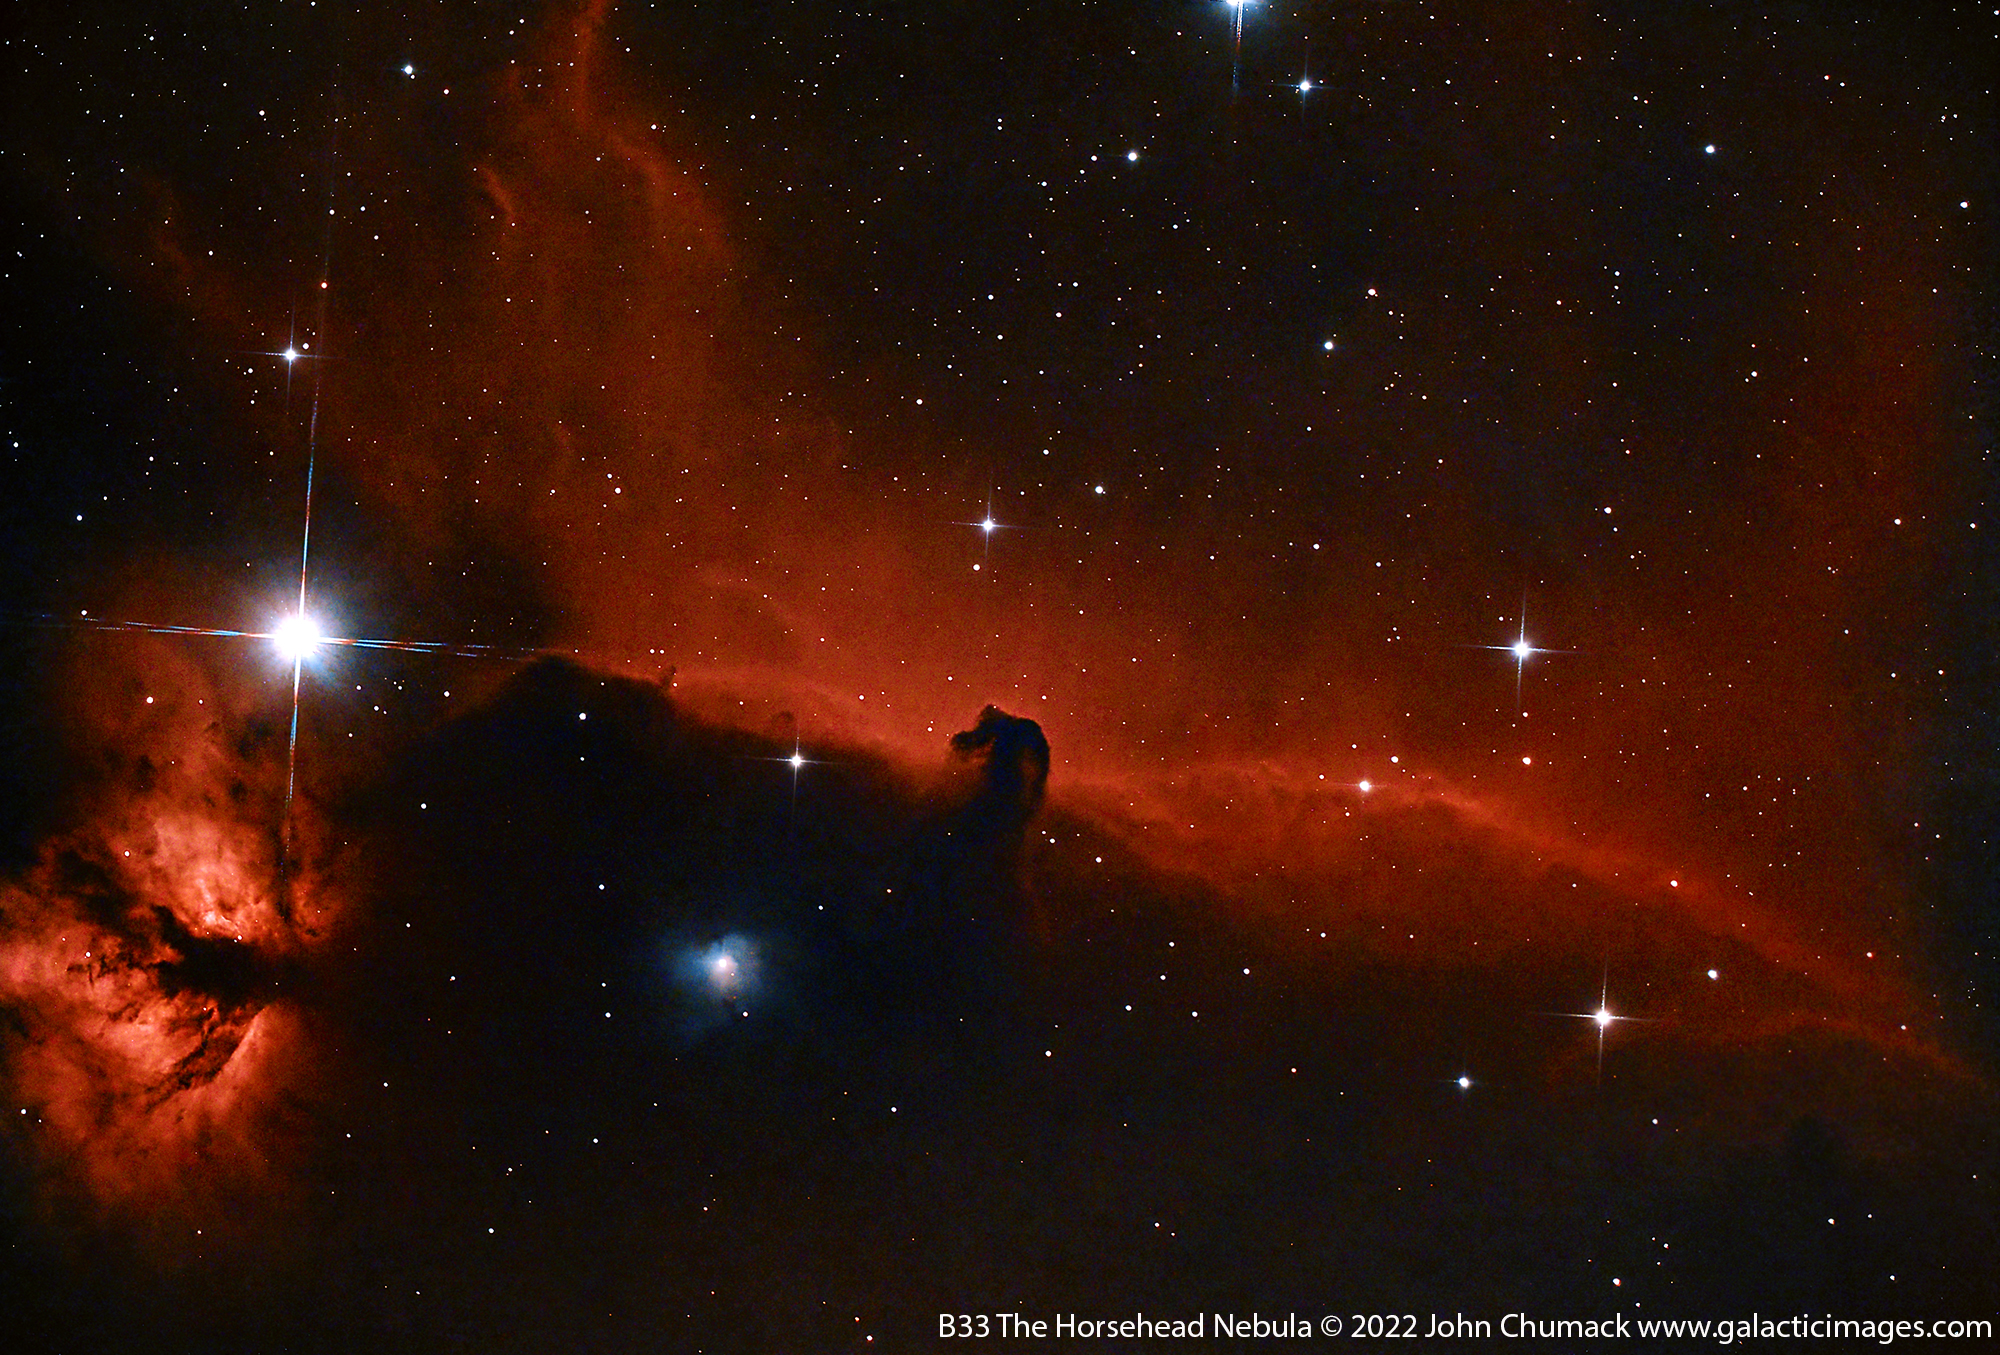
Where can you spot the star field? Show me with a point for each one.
(991, 659)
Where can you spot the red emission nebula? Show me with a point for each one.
(607, 448)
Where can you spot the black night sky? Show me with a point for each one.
(727, 676)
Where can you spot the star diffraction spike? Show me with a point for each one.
(987, 526)
(798, 762)
(300, 635)
(1603, 1017)
(1236, 54)
(1522, 651)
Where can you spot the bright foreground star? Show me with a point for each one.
(1604, 1018)
(297, 636)
(725, 970)
(1522, 650)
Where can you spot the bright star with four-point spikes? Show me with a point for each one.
(1603, 1018)
(1522, 650)
(297, 636)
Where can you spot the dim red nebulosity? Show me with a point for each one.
(577, 365)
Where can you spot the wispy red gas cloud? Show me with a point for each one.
(150, 954)
(561, 405)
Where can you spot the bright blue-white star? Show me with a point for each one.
(1522, 650)
(297, 637)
